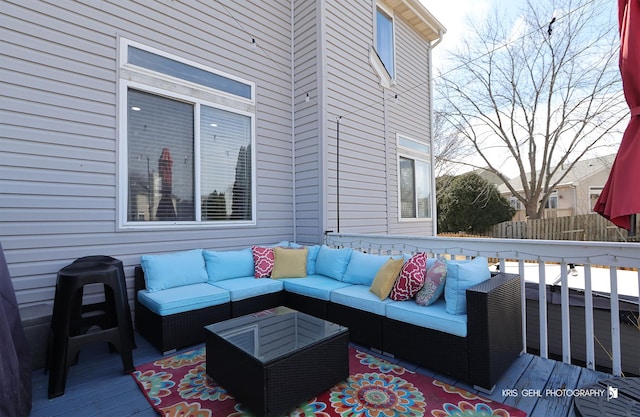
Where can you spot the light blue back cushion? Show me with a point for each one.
(363, 267)
(223, 265)
(312, 255)
(460, 276)
(173, 269)
(332, 262)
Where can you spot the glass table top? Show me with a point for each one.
(276, 332)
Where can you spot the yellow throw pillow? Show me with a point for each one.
(386, 277)
(289, 262)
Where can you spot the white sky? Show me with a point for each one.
(455, 15)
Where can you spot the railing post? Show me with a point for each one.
(523, 297)
(588, 318)
(564, 312)
(615, 323)
(542, 306)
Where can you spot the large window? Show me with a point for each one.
(384, 40)
(186, 151)
(414, 178)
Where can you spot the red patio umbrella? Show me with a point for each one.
(620, 198)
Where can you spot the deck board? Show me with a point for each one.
(97, 385)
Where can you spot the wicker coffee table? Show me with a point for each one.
(276, 359)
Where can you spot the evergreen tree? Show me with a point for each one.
(469, 203)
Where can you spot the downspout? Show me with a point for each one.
(293, 128)
(323, 138)
(434, 206)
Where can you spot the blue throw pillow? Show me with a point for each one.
(173, 269)
(223, 265)
(332, 262)
(312, 255)
(363, 267)
(460, 276)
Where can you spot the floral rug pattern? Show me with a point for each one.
(179, 386)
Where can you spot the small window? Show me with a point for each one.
(414, 167)
(552, 201)
(385, 41)
(186, 72)
(515, 203)
(594, 194)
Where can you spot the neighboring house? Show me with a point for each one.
(149, 127)
(576, 193)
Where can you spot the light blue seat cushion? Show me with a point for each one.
(359, 296)
(223, 265)
(332, 262)
(180, 299)
(461, 275)
(433, 316)
(363, 267)
(173, 269)
(315, 286)
(247, 287)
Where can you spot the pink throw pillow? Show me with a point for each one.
(263, 261)
(411, 278)
(434, 281)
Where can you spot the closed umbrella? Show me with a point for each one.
(166, 210)
(620, 197)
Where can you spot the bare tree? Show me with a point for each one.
(448, 146)
(537, 93)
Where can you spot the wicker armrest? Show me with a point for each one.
(139, 280)
(494, 327)
(496, 281)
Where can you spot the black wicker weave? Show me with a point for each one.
(365, 328)
(275, 386)
(493, 342)
(494, 329)
(314, 306)
(255, 304)
(168, 333)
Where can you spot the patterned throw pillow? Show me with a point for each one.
(433, 283)
(411, 278)
(263, 260)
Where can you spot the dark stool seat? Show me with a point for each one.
(72, 322)
(88, 261)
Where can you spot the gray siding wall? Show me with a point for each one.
(59, 124)
(58, 159)
(308, 59)
(354, 96)
(370, 119)
(410, 116)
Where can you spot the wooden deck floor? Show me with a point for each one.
(96, 386)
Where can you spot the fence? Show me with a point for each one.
(585, 227)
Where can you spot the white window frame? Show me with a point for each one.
(146, 80)
(416, 155)
(515, 203)
(552, 200)
(386, 79)
(594, 190)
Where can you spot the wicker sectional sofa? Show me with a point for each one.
(475, 347)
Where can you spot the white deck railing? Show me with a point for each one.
(599, 267)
